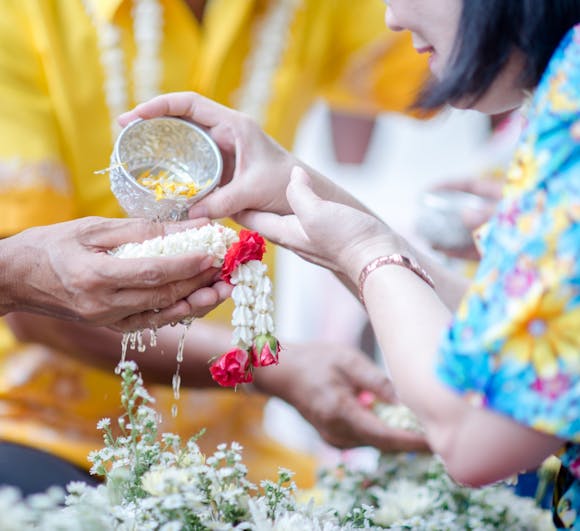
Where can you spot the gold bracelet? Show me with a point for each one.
(392, 259)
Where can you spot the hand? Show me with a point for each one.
(256, 169)
(333, 235)
(65, 271)
(490, 191)
(323, 382)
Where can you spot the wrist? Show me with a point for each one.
(359, 257)
(396, 260)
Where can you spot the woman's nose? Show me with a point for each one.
(391, 20)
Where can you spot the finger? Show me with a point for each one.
(371, 431)
(189, 105)
(463, 253)
(223, 202)
(103, 233)
(153, 319)
(302, 199)
(155, 272)
(273, 227)
(365, 375)
(474, 218)
(196, 305)
(299, 190)
(286, 231)
(133, 300)
(485, 188)
(206, 299)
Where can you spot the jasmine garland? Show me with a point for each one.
(239, 257)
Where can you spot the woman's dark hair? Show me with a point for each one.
(489, 31)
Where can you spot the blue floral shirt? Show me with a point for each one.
(514, 345)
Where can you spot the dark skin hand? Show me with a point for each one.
(65, 271)
(491, 191)
(323, 382)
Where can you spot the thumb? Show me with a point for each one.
(221, 203)
(302, 199)
(110, 233)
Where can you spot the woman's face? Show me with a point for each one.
(433, 25)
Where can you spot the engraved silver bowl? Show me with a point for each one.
(180, 149)
(440, 217)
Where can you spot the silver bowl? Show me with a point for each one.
(440, 217)
(184, 152)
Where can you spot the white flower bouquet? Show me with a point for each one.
(159, 482)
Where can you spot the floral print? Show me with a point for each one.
(514, 344)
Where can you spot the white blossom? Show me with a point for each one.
(156, 482)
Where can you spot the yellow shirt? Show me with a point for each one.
(55, 133)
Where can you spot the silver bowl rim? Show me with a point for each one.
(210, 141)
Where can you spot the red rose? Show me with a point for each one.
(232, 368)
(250, 246)
(265, 351)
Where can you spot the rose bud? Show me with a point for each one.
(265, 350)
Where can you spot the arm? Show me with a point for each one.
(409, 326)
(409, 330)
(257, 172)
(322, 381)
(101, 347)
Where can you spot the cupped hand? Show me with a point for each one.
(256, 169)
(197, 304)
(65, 271)
(323, 382)
(490, 192)
(333, 235)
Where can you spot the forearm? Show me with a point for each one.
(101, 347)
(450, 284)
(409, 320)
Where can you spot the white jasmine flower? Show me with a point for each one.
(157, 483)
(103, 423)
(172, 526)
